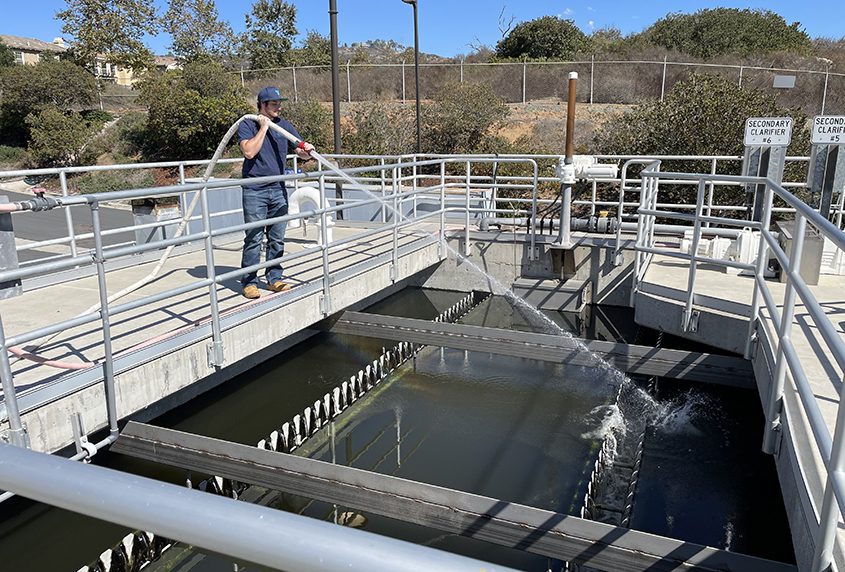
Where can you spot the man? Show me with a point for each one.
(264, 152)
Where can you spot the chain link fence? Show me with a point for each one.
(624, 82)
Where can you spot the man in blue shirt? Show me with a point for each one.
(264, 152)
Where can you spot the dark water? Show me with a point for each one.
(501, 427)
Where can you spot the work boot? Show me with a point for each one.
(279, 286)
(251, 292)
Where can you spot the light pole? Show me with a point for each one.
(416, 66)
(335, 97)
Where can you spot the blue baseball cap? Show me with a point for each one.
(270, 94)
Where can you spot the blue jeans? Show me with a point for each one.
(261, 204)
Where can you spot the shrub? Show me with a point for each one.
(57, 137)
(190, 110)
(12, 157)
(380, 128)
(722, 31)
(460, 115)
(702, 115)
(123, 140)
(548, 37)
(96, 118)
(312, 120)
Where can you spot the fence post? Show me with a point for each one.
(348, 84)
(243, 83)
(663, 82)
(824, 93)
(403, 82)
(462, 70)
(592, 68)
(295, 91)
(741, 68)
(524, 65)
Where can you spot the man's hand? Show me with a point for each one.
(263, 122)
(304, 150)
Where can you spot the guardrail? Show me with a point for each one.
(831, 450)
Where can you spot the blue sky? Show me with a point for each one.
(447, 27)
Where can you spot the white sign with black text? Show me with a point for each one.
(828, 130)
(768, 131)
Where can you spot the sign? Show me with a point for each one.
(768, 131)
(828, 130)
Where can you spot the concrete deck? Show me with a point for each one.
(160, 349)
(724, 300)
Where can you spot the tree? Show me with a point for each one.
(111, 28)
(312, 120)
(197, 31)
(459, 117)
(546, 38)
(28, 89)
(7, 57)
(270, 30)
(722, 31)
(57, 137)
(190, 110)
(316, 50)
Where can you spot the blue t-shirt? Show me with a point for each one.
(270, 159)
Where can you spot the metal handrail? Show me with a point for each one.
(830, 449)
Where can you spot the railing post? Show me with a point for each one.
(686, 323)
(442, 252)
(710, 188)
(295, 91)
(68, 214)
(759, 269)
(17, 434)
(663, 81)
(466, 206)
(383, 189)
(108, 363)
(216, 357)
(414, 185)
(394, 266)
(775, 402)
(325, 301)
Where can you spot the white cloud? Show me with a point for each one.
(568, 12)
(591, 24)
(590, 9)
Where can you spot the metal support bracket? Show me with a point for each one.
(216, 357)
(19, 438)
(393, 273)
(325, 305)
(689, 322)
(618, 258)
(80, 439)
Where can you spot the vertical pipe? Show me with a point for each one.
(216, 358)
(776, 393)
(108, 364)
(565, 233)
(663, 81)
(68, 215)
(710, 188)
(348, 84)
(760, 268)
(295, 91)
(417, 72)
(592, 69)
(383, 189)
(466, 207)
(17, 434)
